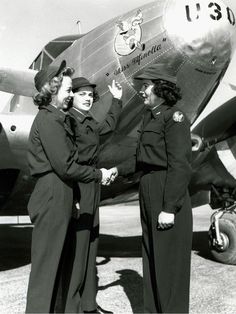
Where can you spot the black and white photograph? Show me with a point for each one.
(118, 156)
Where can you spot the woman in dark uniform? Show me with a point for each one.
(52, 155)
(88, 133)
(164, 157)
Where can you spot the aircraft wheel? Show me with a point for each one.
(227, 252)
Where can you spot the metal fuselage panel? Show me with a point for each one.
(105, 53)
(198, 48)
(13, 140)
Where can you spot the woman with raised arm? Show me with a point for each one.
(88, 133)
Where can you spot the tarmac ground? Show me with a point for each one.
(119, 264)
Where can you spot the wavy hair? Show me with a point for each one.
(50, 88)
(167, 90)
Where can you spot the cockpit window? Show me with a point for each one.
(53, 49)
(37, 62)
(46, 60)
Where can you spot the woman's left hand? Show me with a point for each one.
(165, 220)
(115, 89)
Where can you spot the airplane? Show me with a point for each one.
(197, 38)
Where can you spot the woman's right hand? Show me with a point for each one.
(165, 220)
(116, 89)
(108, 175)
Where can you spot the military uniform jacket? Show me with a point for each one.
(51, 148)
(165, 143)
(88, 131)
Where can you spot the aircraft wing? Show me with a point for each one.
(19, 82)
(215, 166)
(106, 53)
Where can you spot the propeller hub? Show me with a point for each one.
(204, 31)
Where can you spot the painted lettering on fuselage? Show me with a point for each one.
(138, 59)
(216, 12)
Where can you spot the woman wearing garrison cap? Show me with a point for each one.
(164, 157)
(52, 161)
(88, 133)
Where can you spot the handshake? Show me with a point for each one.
(108, 175)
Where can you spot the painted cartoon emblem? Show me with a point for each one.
(178, 116)
(129, 36)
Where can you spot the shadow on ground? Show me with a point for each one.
(201, 244)
(132, 284)
(114, 246)
(15, 241)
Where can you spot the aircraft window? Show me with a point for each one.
(37, 62)
(46, 60)
(55, 48)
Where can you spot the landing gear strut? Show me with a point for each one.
(222, 232)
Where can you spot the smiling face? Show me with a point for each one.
(65, 93)
(83, 98)
(150, 99)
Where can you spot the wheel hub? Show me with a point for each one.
(225, 243)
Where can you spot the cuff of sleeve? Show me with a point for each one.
(120, 170)
(118, 101)
(98, 175)
(127, 167)
(170, 208)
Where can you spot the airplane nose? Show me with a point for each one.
(203, 30)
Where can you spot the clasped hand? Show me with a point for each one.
(108, 175)
(165, 220)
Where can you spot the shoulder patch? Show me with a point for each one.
(178, 116)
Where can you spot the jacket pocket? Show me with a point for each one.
(150, 136)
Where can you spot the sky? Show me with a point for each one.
(26, 26)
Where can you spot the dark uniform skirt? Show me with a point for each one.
(166, 253)
(90, 200)
(50, 208)
(80, 282)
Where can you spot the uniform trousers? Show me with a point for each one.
(166, 253)
(50, 208)
(79, 283)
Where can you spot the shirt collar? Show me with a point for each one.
(55, 110)
(157, 110)
(81, 116)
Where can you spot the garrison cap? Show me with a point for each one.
(81, 82)
(46, 74)
(158, 71)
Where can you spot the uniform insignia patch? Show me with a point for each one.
(178, 116)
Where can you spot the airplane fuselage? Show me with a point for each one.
(195, 38)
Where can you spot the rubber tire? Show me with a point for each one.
(227, 225)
